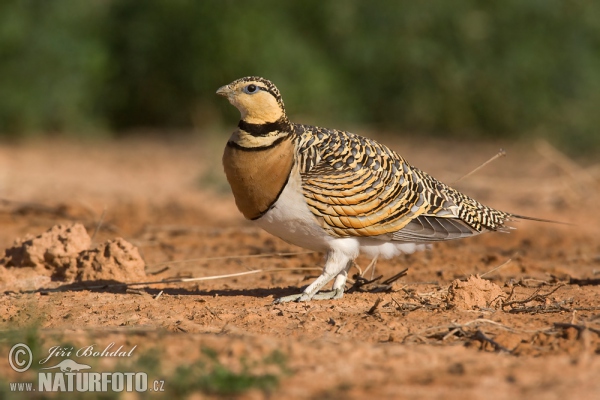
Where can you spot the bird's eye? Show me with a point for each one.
(250, 89)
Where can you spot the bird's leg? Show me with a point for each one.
(339, 284)
(337, 265)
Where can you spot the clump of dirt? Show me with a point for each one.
(63, 254)
(116, 260)
(474, 293)
(52, 250)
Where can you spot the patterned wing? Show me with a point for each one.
(358, 187)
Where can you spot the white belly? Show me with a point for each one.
(291, 220)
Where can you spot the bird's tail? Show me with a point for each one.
(516, 216)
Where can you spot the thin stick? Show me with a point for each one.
(501, 153)
(394, 278)
(497, 268)
(179, 280)
(371, 264)
(99, 223)
(372, 309)
(355, 265)
(451, 333)
(232, 257)
(374, 266)
(536, 295)
(482, 321)
(483, 338)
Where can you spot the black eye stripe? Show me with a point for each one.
(264, 89)
(272, 91)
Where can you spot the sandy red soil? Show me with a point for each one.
(434, 334)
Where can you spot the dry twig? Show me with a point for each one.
(100, 221)
(373, 286)
(501, 153)
(372, 264)
(295, 253)
(483, 338)
(496, 268)
(173, 280)
(374, 308)
(536, 296)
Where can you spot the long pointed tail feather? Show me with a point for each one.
(539, 220)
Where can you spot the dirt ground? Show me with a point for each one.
(529, 329)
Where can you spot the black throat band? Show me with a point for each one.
(263, 129)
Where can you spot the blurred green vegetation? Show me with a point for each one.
(463, 68)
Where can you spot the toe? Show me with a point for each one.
(287, 299)
(331, 295)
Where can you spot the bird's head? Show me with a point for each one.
(257, 99)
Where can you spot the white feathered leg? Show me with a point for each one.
(339, 284)
(337, 265)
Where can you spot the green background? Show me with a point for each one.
(461, 68)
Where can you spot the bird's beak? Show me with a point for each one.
(224, 91)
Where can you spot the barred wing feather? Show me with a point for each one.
(358, 187)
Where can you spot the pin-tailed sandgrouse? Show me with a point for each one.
(337, 192)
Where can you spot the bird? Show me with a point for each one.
(337, 192)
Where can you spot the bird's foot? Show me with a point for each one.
(288, 299)
(330, 295)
